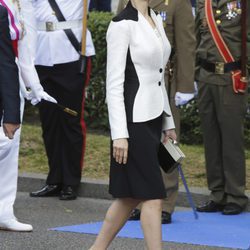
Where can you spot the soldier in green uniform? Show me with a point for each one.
(221, 109)
(179, 26)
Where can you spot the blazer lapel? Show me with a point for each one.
(159, 24)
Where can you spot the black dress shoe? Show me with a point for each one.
(135, 214)
(47, 191)
(165, 218)
(210, 207)
(232, 209)
(68, 193)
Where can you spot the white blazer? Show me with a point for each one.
(136, 60)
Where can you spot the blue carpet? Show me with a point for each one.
(212, 229)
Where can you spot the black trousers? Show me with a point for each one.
(63, 134)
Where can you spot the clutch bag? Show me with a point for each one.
(169, 156)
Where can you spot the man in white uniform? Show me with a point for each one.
(23, 36)
(58, 66)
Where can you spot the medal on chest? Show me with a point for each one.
(234, 9)
(164, 17)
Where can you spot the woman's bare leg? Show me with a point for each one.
(116, 216)
(151, 223)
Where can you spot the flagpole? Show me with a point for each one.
(84, 34)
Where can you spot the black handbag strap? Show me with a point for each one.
(69, 33)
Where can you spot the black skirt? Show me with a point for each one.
(140, 177)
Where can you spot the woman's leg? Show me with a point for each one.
(151, 223)
(115, 218)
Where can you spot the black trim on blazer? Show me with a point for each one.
(131, 86)
(129, 13)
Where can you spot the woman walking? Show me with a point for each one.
(139, 116)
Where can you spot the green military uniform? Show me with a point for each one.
(179, 26)
(221, 110)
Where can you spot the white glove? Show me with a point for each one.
(37, 94)
(182, 98)
(22, 87)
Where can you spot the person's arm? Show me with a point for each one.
(198, 39)
(184, 43)
(26, 59)
(9, 82)
(117, 49)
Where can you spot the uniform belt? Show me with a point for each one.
(53, 26)
(219, 67)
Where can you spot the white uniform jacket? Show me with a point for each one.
(54, 47)
(136, 59)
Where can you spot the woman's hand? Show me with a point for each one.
(120, 150)
(169, 134)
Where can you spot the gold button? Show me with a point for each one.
(218, 22)
(218, 11)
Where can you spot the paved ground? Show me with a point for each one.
(47, 213)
